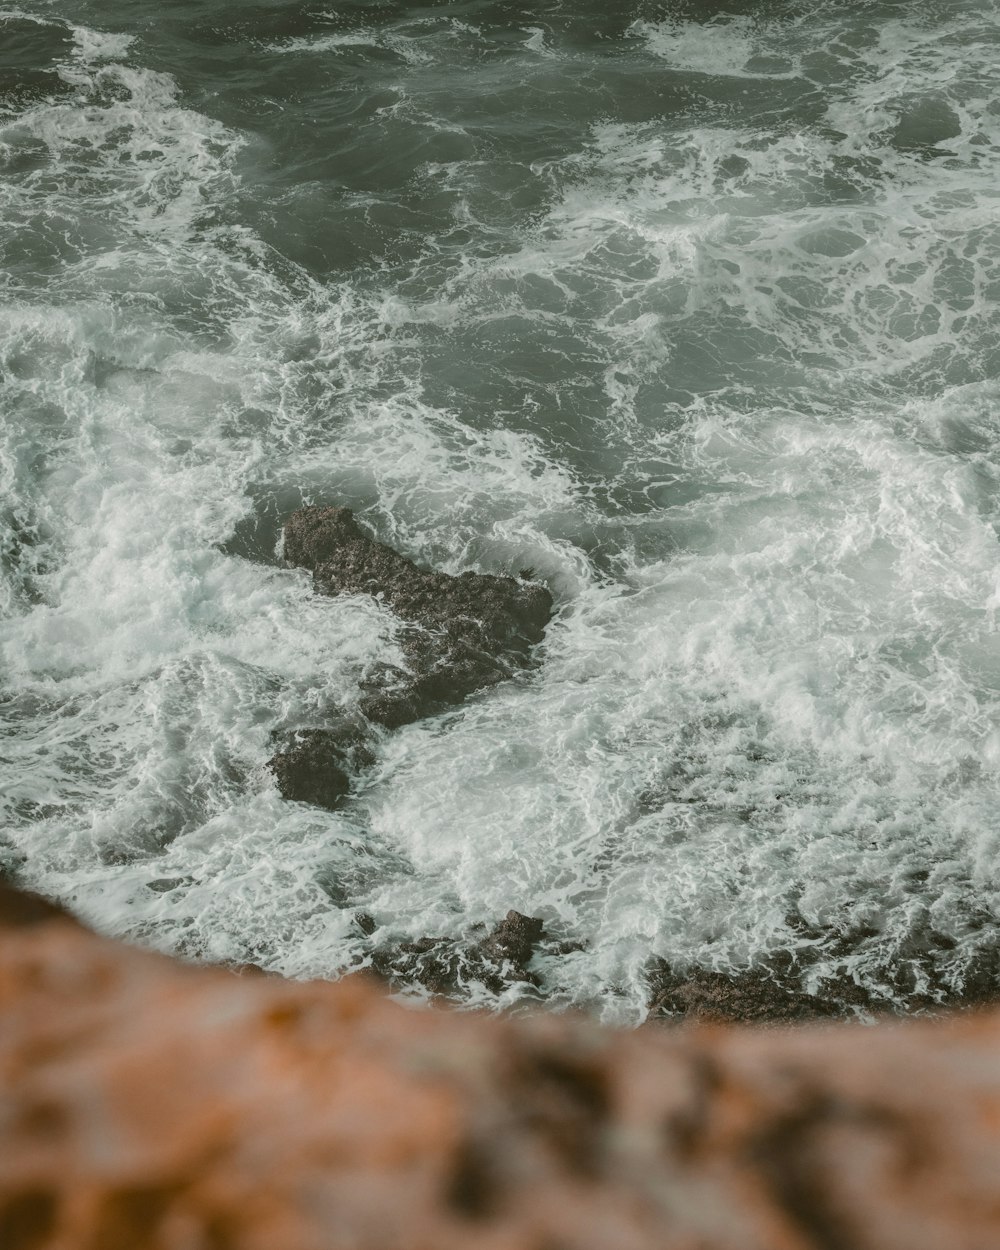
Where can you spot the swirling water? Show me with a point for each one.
(693, 307)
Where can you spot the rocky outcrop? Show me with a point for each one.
(494, 613)
(317, 765)
(460, 634)
(150, 1104)
(512, 942)
(470, 631)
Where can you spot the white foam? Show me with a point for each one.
(100, 45)
(720, 48)
(536, 41)
(408, 48)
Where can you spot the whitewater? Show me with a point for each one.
(690, 308)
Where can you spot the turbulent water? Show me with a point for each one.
(691, 307)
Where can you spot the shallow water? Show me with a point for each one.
(693, 308)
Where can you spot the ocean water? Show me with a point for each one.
(692, 307)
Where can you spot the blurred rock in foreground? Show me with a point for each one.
(148, 1105)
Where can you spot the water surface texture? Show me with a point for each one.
(691, 307)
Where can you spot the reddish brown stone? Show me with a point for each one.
(21, 909)
(148, 1104)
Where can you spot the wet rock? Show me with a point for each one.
(460, 634)
(446, 966)
(164, 885)
(317, 764)
(313, 535)
(773, 991)
(436, 963)
(473, 630)
(512, 942)
(761, 995)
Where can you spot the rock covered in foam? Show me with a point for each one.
(445, 966)
(149, 1103)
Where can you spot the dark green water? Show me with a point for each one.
(690, 307)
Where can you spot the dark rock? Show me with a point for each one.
(513, 941)
(462, 634)
(344, 560)
(473, 630)
(317, 764)
(440, 676)
(391, 708)
(760, 995)
(433, 962)
(503, 956)
(444, 965)
(163, 885)
(313, 535)
(771, 992)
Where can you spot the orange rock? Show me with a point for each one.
(150, 1105)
